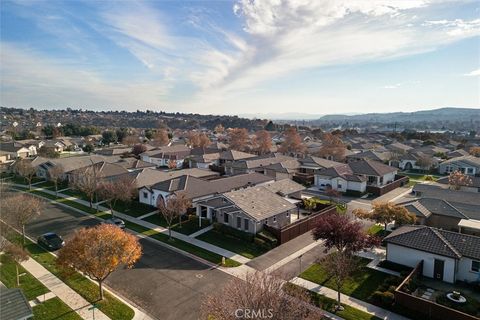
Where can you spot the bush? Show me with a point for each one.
(224, 229)
(429, 178)
(262, 243)
(388, 298)
(268, 238)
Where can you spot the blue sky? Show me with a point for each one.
(236, 57)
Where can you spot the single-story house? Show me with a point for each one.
(14, 305)
(247, 209)
(197, 189)
(164, 155)
(467, 164)
(355, 176)
(473, 184)
(447, 256)
(18, 150)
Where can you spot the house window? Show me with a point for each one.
(239, 222)
(225, 217)
(288, 214)
(470, 170)
(203, 212)
(245, 224)
(145, 195)
(339, 186)
(275, 219)
(475, 266)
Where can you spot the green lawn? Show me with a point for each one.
(378, 230)
(191, 226)
(21, 180)
(329, 305)
(156, 219)
(362, 284)
(30, 286)
(241, 246)
(51, 185)
(182, 245)
(133, 208)
(111, 306)
(348, 313)
(54, 309)
(77, 194)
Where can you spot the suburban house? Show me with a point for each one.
(18, 150)
(229, 156)
(255, 164)
(440, 207)
(163, 156)
(467, 164)
(473, 184)
(197, 189)
(447, 256)
(370, 155)
(204, 161)
(355, 176)
(247, 209)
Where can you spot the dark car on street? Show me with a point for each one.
(51, 241)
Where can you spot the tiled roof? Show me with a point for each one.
(441, 242)
(284, 187)
(14, 305)
(371, 168)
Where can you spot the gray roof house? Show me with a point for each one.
(467, 164)
(447, 256)
(14, 305)
(247, 209)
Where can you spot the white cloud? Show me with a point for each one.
(27, 76)
(474, 73)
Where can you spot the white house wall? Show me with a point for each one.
(411, 257)
(465, 272)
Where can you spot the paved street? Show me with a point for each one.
(164, 283)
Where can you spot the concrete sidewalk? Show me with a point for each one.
(202, 244)
(355, 303)
(61, 290)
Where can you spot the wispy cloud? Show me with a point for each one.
(474, 73)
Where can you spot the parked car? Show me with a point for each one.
(117, 222)
(51, 241)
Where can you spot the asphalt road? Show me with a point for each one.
(164, 283)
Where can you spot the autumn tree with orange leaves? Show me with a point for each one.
(99, 251)
(475, 151)
(292, 143)
(160, 138)
(262, 142)
(238, 139)
(332, 147)
(385, 213)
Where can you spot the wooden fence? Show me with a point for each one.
(399, 181)
(299, 227)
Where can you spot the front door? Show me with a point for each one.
(438, 269)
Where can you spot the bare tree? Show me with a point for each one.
(19, 209)
(131, 140)
(139, 149)
(18, 254)
(25, 169)
(174, 206)
(424, 162)
(86, 180)
(260, 295)
(457, 180)
(55, 174)
(339, 266)
(120, 189)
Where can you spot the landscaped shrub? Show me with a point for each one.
(268, 238)
(262, 243)
(224, 229)
(394, 266)
(429, 178)
(388, 298)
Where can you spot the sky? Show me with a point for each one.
(241, 57)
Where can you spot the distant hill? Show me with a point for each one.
(442, 114)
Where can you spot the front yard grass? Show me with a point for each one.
(54, 308)
(378, 230)
(191, 226)
(348, 312)
(361, 285)
(30, 286)
(243, 247)
(182, 245)
(156, 219)
(133, 208)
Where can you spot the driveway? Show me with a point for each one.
(164, 283)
